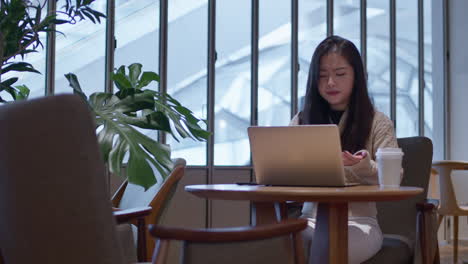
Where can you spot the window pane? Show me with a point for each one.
(274, 67)
(407, 68)
(81, 50)
(312, 30)
(137, 34)
(347, 20)
(433, 70)
(428, 87)
(187, 53)
(232, 103)
(378, 54)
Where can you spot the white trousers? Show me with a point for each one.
(364, 238)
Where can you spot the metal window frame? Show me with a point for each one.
(330, 17)
(294, 56)
(363, 16)
(50, 52)
(254, 51)
(254, 62)
(393, 61)
(446, 45)
(421, 81)
(111, 44)
(211, 60)
(163, 40)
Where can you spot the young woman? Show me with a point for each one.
(337, 94)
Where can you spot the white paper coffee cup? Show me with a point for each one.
(389, 166)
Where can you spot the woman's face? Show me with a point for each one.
(336, 80)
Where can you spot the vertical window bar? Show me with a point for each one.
(446, 44)
(50, 52)
(421, 65)
(110, 45)
(364, 34)
(109, 57)
(163, 24)
(254, 63)
(254, 76)
(329, 18)
(294, 55)
(393, 61)
(211, 95)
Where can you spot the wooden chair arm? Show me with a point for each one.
(127, 215)
(232, 234)
(453, 164)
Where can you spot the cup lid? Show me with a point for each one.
(386, 151)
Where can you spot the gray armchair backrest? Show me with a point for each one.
(54, 206)
(399, 217)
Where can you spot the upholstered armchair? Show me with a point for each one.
(410, 226)
(54, 203)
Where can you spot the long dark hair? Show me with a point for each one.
(360, 109)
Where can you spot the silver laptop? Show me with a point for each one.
(306, 155)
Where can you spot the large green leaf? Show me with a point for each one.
(22, 92)
(182, 119)
(118, 137)
(7, 85)
(20, 67)
(147, 78)
(134, 71)
(75, 84)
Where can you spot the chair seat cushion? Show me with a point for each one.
(393, 251)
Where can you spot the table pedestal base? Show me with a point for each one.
(330, 241)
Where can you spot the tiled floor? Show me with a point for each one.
(446, 253)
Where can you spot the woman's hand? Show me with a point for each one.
(350, 159)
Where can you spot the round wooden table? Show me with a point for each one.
(332, 212)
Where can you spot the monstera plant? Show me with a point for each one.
(123, 116)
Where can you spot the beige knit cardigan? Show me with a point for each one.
(365, 172)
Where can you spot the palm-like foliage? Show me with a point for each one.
(119, 115)
(21, 22)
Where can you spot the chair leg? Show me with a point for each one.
(437, 255)
(150, 245)
(298, 248)
(455, 239)
(141, 241)
(161, 252)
